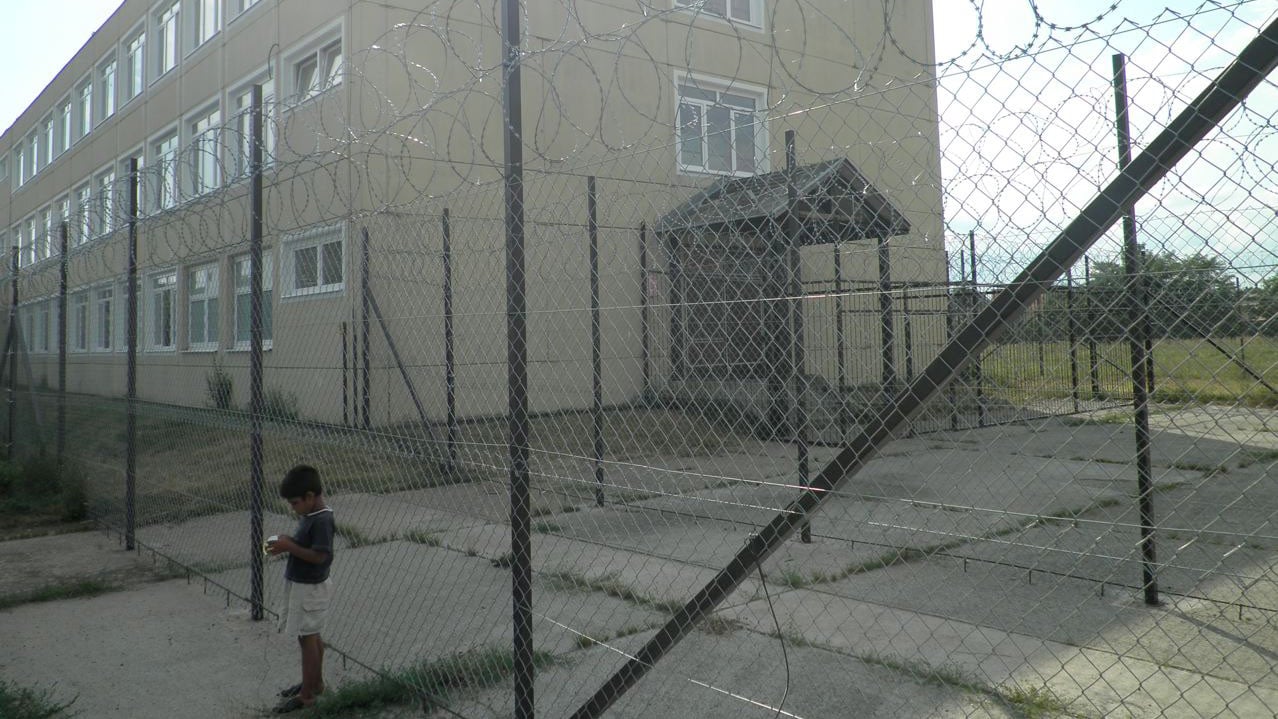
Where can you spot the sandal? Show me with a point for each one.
(291, 691)
(289, 705)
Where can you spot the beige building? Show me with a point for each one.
(378, 117)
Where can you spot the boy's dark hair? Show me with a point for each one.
(299, 480)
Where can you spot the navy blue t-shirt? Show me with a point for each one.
(314, 531)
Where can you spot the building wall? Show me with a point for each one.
(415, 126)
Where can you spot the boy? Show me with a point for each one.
(307, 589)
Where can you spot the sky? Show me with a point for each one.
(37, 38)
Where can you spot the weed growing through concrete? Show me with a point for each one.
(609, 584)
(418, 536)
(547, 528)
(354, 536)
(18, 702)
(1033, 702)
(55, 592)
(432, 680)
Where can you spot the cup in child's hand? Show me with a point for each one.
(266, 546)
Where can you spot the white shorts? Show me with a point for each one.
(305, 607)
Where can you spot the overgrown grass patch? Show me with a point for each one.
(609, 584)
(37, 489)
(54, 592)
(19, 702)
(431, 680)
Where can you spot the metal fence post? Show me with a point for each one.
(450, 357)
(596, 350)
(1138, 303)
(644, 320)
(978, 373)
(796, 380)
(365, 326)
(1093, 361)
(256, 400)
(12, 351)
(62, 347)
(131, 367)
(517, 365)
(1071, 331)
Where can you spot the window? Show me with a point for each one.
(207, 19)
(203, 319)
(313, 263)
(166, 39)
(64, 127)
(46, 141)
(317, 71)
(40, 235)
(84, 106)
(103, 299)
(106, 89)
(79, 338)
(720, 129)
(106, 202)
(4, 168)
(33, 150)
(160, 290)
(83, 206)
(43, 324)
(122, 199)
(244, 303)
(205, 169)
(239, 141)
(242, 5)
(135, 66)
(746, 11)
(166, 175)
(63, 214)
(27, 249)
(20, 159)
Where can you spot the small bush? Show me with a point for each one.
(218, 387)
(17, 702)
(36, 487)
(278, 404)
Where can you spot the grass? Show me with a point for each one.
(1185, 370)
(418, 536)
(609, 584)
(1251, 457)
(1033, 702)
(55, 592)
(354, 536)
(547, 528)
(18, 702)
(36, 491)
(438, 679)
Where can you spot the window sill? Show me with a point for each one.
(300, 102)
(313, 292)
(244, 347)
(731, 22)
(201, 349)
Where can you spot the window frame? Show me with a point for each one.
(200, 12)
(79, 321)
(719, 86)
(327, 53)
(166, 22)
(66, 125)
(238, 292)
(209, 298)
(108, 87)
(84, 108)
(202, 150)
(697, 9)
(167, 190)
(136, 63)
(103, 339)
(170, 287)
(236, 126)
(317, 239)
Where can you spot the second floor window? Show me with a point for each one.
(166, 39)
(135, 66)
(64, 127)
(205, 167)
(746, 11)
(166, 175)
(106, 90)
(203, 319)
(207, 19)
(720, 130)
(85, 108)
(317, 71)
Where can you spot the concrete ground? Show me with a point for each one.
(991, 572)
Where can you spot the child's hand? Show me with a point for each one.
(281, 545)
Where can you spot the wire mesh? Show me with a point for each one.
(709, 323)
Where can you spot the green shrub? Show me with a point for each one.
(278, 404)
(36, 486)
(218, 387)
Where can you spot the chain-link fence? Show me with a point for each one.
(720, 358)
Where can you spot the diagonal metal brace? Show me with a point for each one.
(1193, 123)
